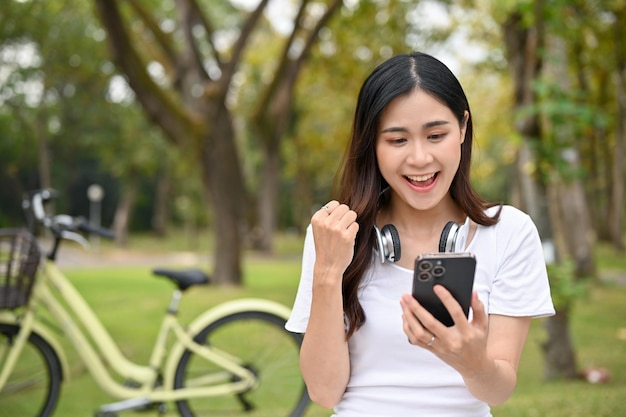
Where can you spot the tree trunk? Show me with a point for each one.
(571, 226)
(566, 196)
(524, 44)
(161, 201)
(41, 130)
(268, 201)
(123, 212)
(616, 205)
(273, 117)
(198, 119)
(559, 360)
(224, 184)
(528, 193)
(192, 111)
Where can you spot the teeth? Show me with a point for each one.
(420, 177)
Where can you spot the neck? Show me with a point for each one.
(407, 218)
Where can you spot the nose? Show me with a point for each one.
(418, 153)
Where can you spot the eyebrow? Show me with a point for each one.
(424, 126)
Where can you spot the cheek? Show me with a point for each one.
(451, 156)
(386, 162)
(454, 150)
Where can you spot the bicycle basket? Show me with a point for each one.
(19, 260)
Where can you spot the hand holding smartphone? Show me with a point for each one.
(455, 271)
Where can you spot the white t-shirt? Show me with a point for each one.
(390, 377)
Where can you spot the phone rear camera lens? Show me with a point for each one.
(439, 271)
(424, 276)
(426, 265)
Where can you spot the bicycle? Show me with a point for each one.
(234, 359)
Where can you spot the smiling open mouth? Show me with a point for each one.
(422, 180)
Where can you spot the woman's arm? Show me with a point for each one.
(324, 357)
(495, 383)
(486, 351)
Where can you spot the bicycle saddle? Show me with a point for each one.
(183, 279)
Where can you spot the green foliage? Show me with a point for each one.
(568, 117)
(566, 289)
(68, 98)
(96, 136)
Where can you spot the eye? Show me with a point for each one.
(393, 140)
(437, 136)
(396, 141)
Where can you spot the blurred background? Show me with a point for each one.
(226, 120)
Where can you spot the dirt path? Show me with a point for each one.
(74, 256)
(77, 257)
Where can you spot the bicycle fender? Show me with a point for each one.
(46, 335)
(214, 314)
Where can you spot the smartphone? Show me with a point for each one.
(455, 271)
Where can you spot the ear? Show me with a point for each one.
(464, 125)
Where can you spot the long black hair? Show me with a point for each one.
(360, 182)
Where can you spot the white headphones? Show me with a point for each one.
(453, 239)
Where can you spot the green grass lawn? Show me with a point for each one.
(598, 329)
(130, 302)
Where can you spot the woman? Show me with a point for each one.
(370, 349)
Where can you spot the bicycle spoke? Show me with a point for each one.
(33, 387)
(261, 344)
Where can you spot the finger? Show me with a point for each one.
(347, 218)
(340, 218)
(427, 321)
(353, 229)
(451, 304)
(324, 212)
(426, 341)
(412, 326)
(330, 206)
(479, 314)
(338, 211)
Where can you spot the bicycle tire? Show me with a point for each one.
(261, 342)
(34, 386)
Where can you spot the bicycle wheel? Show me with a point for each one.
(33, 387)
(263, 345)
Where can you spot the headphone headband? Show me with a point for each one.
(453, 239)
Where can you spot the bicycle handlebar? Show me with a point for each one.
(61, 225)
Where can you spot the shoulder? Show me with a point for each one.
(514, 229)
(510, 217)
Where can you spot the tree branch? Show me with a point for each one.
(313, 33)
(288, 69)
(229, 69)
(192, 59)
(162, 39)
(208, 28)
(164, 109)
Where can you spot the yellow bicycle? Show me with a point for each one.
(234, 359)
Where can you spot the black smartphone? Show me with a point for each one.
(455, 271)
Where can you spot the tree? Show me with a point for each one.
(616, 208)
(273, 114)
(54, 92)
(189, 99)
(546, 125)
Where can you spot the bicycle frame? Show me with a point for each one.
(52, 286)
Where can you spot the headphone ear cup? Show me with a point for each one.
(391, 239)
(448, 237)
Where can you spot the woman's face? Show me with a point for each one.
(418, 147)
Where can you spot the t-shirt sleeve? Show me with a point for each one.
(521, 286)
(299, 318)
